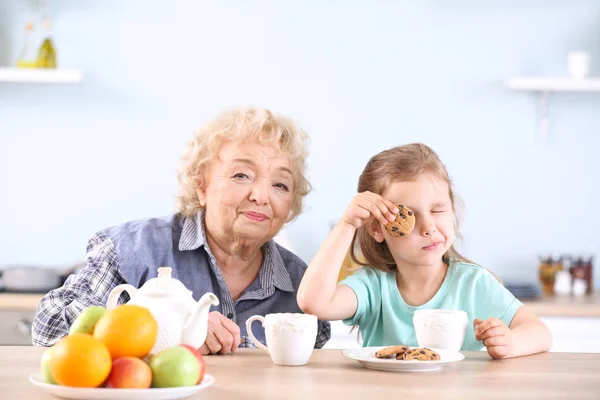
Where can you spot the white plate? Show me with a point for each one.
(67, 392)
(366, 356)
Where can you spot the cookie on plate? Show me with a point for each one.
(392, 350)
(421, 354)
(404, 222)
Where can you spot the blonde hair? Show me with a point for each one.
(241, 124)
(399, 164)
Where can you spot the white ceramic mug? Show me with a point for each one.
(290, 337)
(440, 329)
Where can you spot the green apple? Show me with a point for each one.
(174, 367)
(86, 321)
(46, 367)
(200, 359)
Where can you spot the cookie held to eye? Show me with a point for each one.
(403, 224)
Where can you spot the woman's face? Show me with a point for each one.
(249, 191)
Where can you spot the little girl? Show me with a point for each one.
(421, 270)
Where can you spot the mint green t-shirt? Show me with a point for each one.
(385, 319)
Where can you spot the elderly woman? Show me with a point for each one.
(242, 178)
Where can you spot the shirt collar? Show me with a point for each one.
(192, 233)
(272, 271)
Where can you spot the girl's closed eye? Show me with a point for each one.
(439, 208)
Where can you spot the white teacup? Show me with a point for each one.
(290, 336)
(440, 329)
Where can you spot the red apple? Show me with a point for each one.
(200, 357)
(129, 372)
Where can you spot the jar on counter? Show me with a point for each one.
(547, 272)
(581, 272)
(562, 283)
(588, 272)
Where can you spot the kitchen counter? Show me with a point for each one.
(250, 374)
(551, 306)
(20, 301)
(556, 306)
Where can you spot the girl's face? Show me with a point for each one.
(433, 234)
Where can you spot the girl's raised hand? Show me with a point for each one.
(367, 205)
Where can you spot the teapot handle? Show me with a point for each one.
(114, 295)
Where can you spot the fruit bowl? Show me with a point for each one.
(68, 392)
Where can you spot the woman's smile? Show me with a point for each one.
(255, 216)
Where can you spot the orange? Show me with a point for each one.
(79, 360)
(127, 331)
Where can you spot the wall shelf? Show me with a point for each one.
(39, 75)
(554, 84)
(545, 87)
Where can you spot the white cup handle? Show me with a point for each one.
(249, 322)
(114, 295)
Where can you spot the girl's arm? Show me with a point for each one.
(319, 294)
(527, 335)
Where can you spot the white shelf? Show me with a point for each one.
(555, 84)
(39, 75)
(545, 87)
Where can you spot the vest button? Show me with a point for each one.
(230, 315)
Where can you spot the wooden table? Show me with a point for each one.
(249, 374)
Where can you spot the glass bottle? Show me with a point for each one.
(588, 272)
(546, 274)
(27, 57)
(578, 271)
(557, 262)
(47, 52)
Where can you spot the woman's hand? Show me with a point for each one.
(496, 336)
(223, 335)
(367, 205)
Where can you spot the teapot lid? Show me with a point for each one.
(164, 284)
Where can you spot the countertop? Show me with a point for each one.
(250, 374)
(20, 301)
(551, 306)
(569, 306)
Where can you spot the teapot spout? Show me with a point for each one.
(196, 326)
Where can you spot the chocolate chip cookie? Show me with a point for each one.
(392, 350)
(421, 354)
(404, 222)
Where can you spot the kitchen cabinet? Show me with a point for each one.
(574, 334)
(15, 329)
(17, 311)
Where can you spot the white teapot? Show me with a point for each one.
(180, 319)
